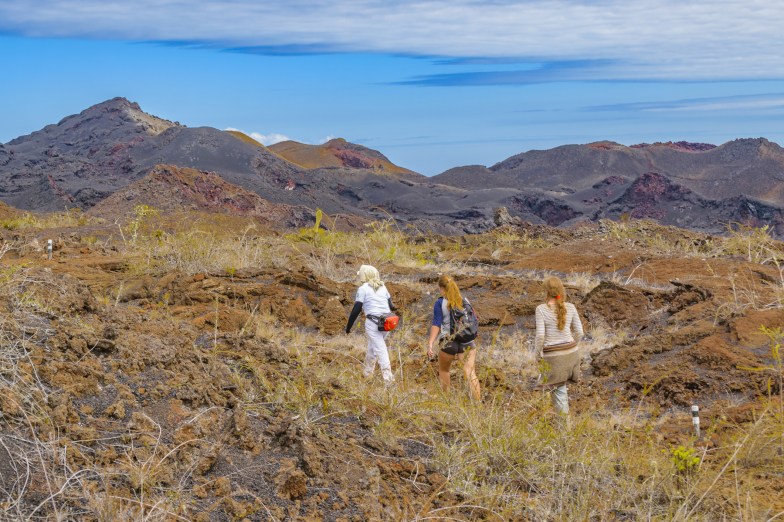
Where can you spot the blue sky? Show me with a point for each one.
(432, 85)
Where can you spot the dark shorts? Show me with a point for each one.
(453, 348)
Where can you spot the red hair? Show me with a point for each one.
(555, 290)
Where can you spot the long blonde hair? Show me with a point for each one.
(368, 274)
(451, 292)
(555, 290)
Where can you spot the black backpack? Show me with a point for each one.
(464, 325)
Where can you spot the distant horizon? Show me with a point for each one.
(259, 138)
(431, 85)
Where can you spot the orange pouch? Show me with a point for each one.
(388, 323)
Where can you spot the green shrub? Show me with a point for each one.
(684, 460)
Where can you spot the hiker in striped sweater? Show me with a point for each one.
(558, 330)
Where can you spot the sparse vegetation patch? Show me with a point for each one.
(150, 371)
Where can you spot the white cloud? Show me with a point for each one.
(754, 102)
(653, 39)
(326, 139)
(726, 105)
(264, 139)
(269, 139)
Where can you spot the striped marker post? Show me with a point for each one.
(49, 249)
(695, 419)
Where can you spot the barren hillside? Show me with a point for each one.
(196, 369)
(338, 153)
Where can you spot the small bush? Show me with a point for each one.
(684, 460)
(757, 245)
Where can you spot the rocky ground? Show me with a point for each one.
(138, 383)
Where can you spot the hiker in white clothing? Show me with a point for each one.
(374, 300)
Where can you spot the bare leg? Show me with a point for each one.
(444, 363)
(469, 370)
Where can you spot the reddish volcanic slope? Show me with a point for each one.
(336, 153)
(168, 188)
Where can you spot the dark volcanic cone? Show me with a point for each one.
(88, 156)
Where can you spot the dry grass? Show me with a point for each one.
(509, 241)
(511, 456)
(334, 254)
(755, 244)
(514, 352)
(30, 221)
(582, 281)
(507, 458)
(202, 250)
(43, 473)
(601, 337)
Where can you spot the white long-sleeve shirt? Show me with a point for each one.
(547, 332)
(374, 302)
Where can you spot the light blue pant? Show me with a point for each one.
(560, 398)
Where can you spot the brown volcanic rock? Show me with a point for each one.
(7, 212)
(168, 188)
(678, 145)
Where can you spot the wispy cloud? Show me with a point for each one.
(653, 39)
(269, 139)
(540, 73)
(723, 103)
(264, 139)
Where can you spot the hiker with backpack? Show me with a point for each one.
(455, 327)
(374, 300)
(558, 331)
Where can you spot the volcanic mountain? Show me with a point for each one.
(87, 157)
(336, 153)
(685, 184)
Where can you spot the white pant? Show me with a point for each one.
(377, 351)
(560, 397)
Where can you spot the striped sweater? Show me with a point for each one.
(561, 365)
(547, 332)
